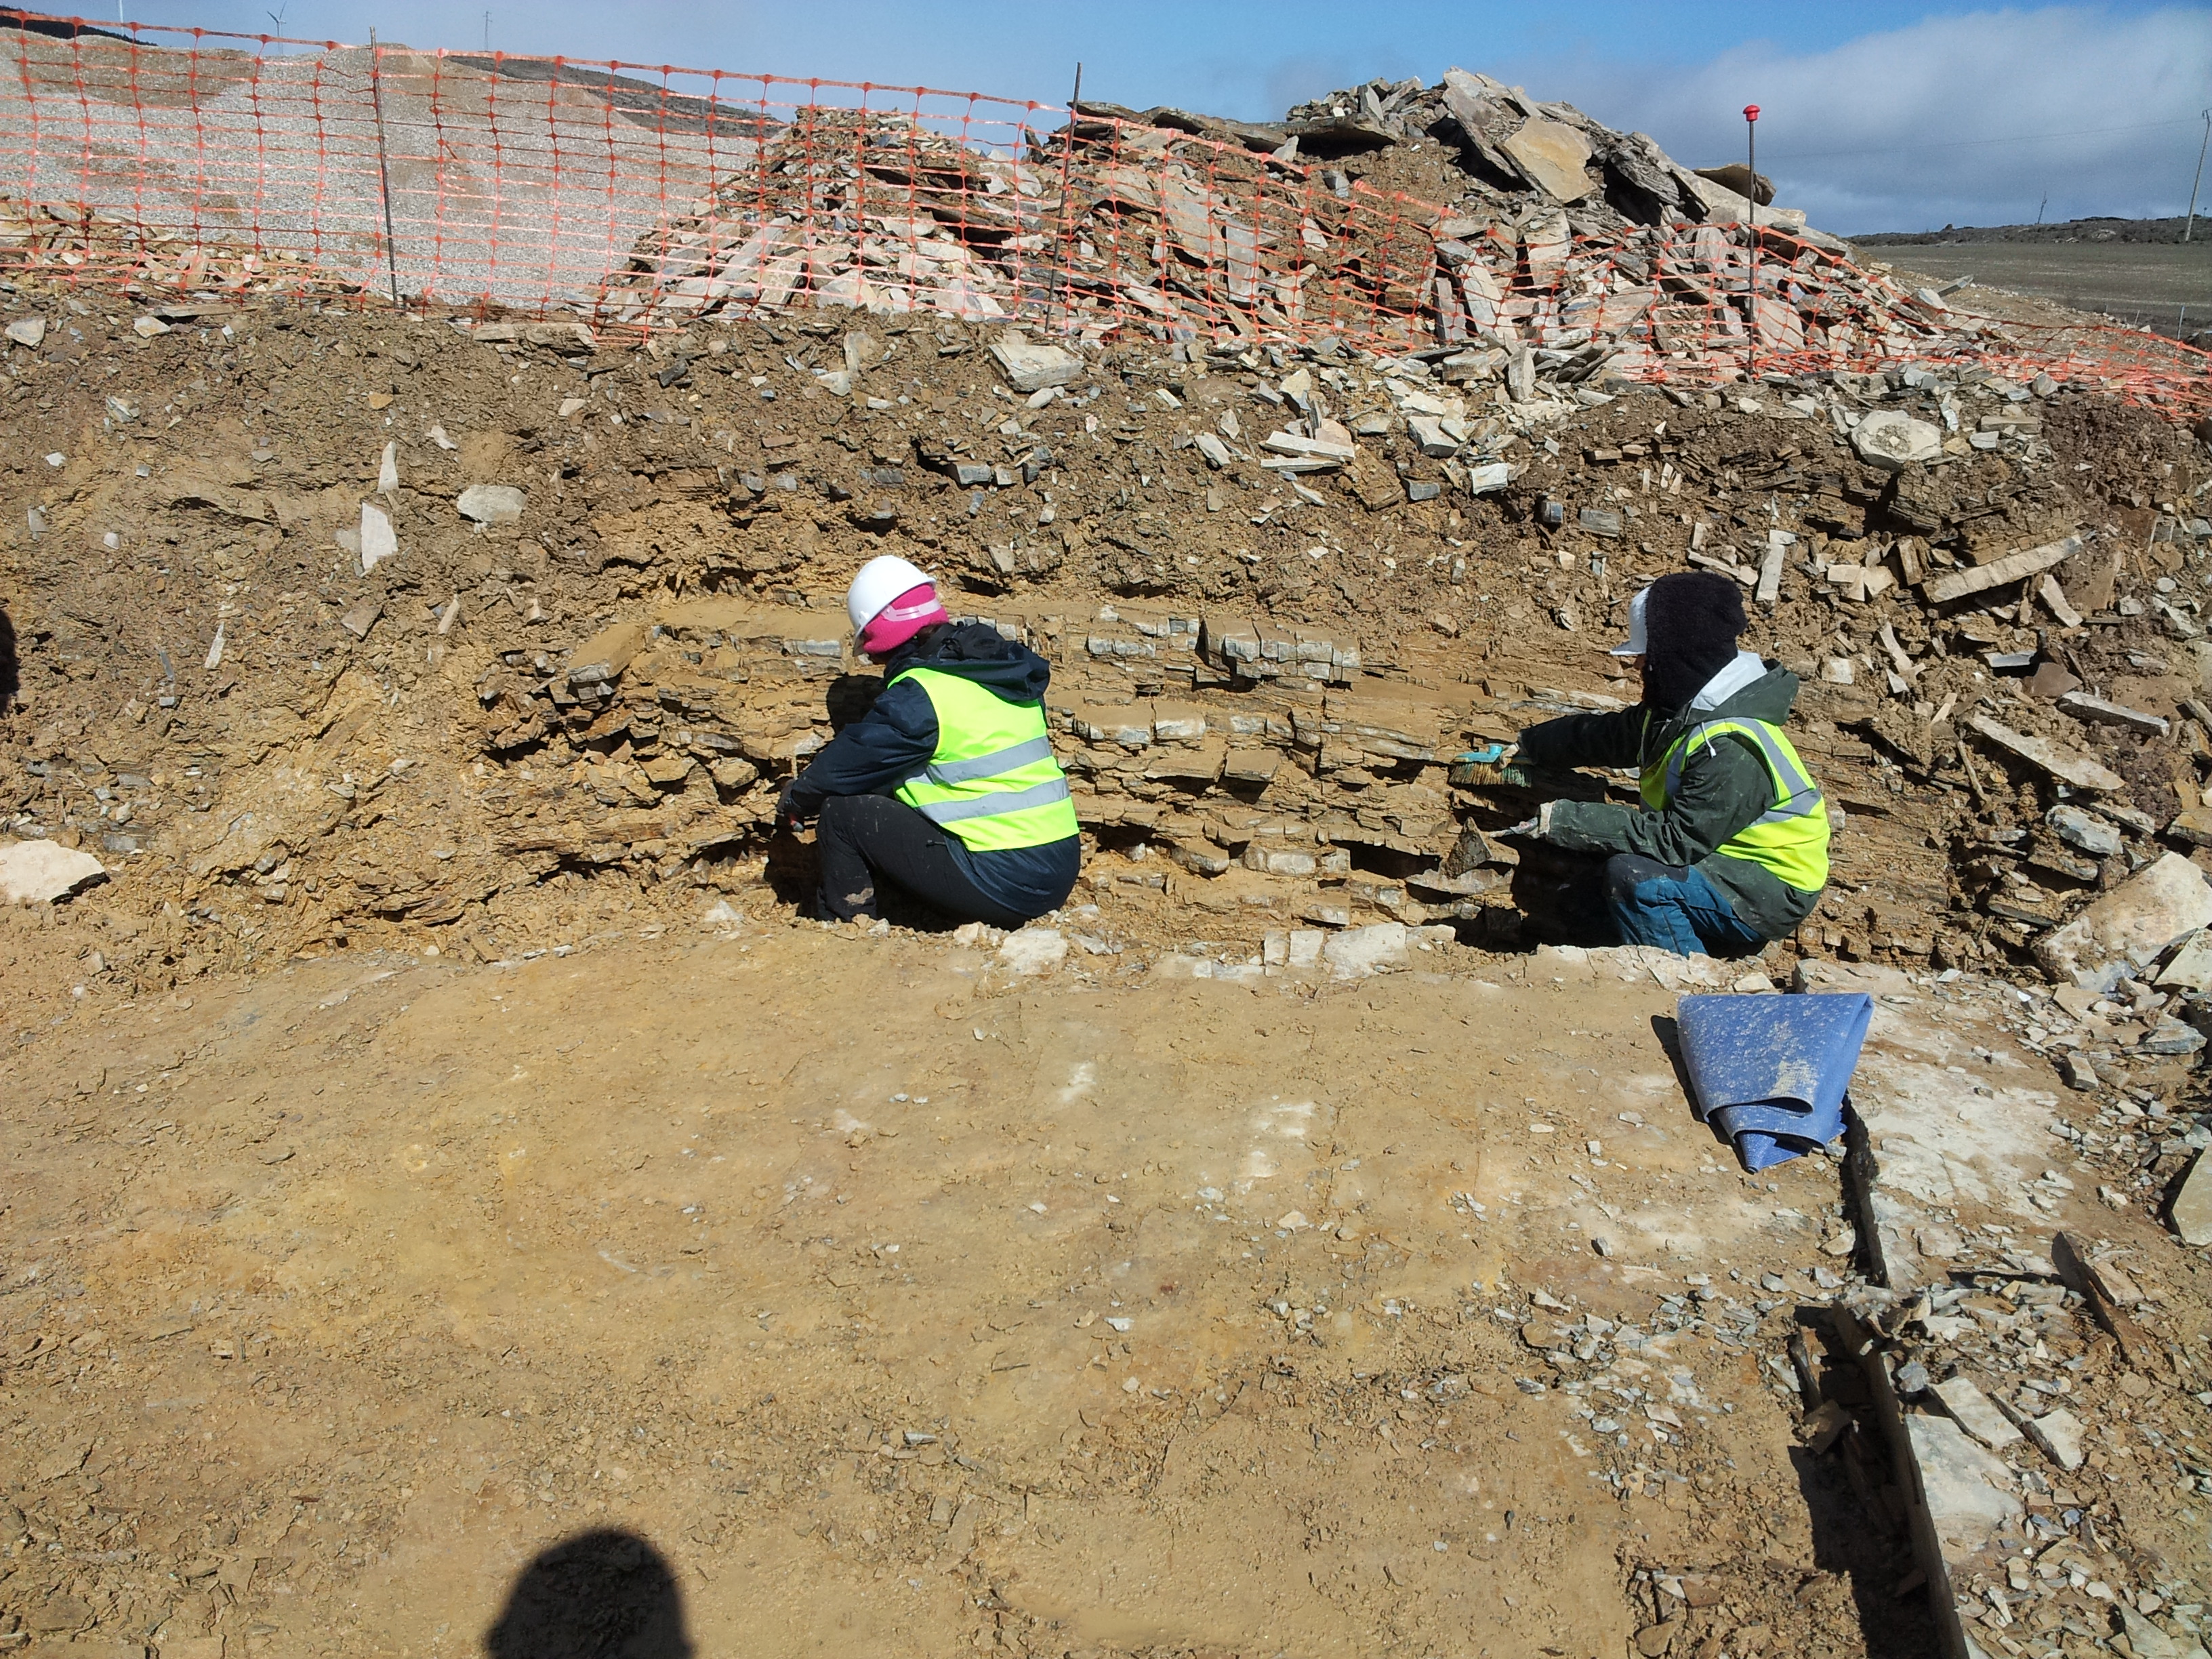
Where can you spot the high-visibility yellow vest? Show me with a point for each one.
(1791, 838)
(993, 781)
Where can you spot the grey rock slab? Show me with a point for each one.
(1971, 1409)
(1885, 1225)
(2131, 926)
(1030, 366)
(2191, 967)
(1778, 543)
(2193, 825)
(2067, 765)
(862, 350)
(2126, 817)
(1520, 375)
(492, 503)
(1930, 1146)
(2054, 598)
(1892, 440)
(2098, 711)
(1725, 206)
(1965, 1487)
(2146, 1639)
(2171, 1036)
(1814, 973)
(1553, 156)
(1297, 445)
(2085, 834)
(28, 331)
(2013, 567)
(2076, 1073)
(2192, 1214)
(2057, 1435)
(41, 872)
(1999, 573)
(1428, 431)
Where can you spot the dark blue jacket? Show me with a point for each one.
(897, 739)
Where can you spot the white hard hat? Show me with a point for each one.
(1635, 648)
(880, 581)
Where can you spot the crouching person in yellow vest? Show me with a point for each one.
(946, 789)
(1731, 847)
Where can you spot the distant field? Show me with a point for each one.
(2147, 285)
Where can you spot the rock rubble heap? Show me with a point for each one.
(105, 246)
(1562, 239)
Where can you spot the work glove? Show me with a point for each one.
(1536, 828)
(786, 816)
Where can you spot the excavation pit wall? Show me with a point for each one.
(1263, 675)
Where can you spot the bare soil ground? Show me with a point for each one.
(1185, 1318)
(344, 1290)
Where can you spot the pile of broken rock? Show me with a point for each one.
(1553, 245)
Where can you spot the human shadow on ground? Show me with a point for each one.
(602, 1594)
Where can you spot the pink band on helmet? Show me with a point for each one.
(902, 619)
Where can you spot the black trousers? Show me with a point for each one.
(863, 841)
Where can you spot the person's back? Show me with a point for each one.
(947, 787)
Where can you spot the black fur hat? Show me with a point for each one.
(1691, 621)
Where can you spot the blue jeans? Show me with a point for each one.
(1674, 907)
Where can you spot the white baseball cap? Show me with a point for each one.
(1635, 648)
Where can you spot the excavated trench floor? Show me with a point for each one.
(894, 1300)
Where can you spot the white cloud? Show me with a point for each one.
(1942, 122)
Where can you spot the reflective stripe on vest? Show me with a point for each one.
(1800, 794)
(1791, 838)
(985, 766)
(992, 779)
(957, 812)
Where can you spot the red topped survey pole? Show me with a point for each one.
(1751, 236)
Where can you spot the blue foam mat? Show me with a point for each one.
(1773, 1072)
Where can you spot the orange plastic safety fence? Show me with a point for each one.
(182, 162)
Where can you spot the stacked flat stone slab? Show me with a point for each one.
(1249, 650)
(1287, 787)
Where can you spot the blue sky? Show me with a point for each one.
(1877, 115)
